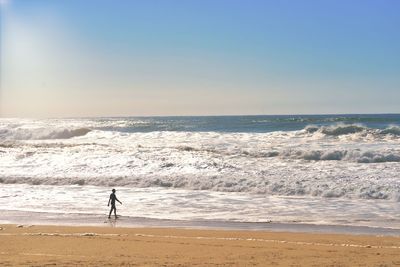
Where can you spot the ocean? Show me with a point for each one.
(291, 169)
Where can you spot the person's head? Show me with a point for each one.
(113, 190)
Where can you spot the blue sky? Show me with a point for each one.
(187, 57)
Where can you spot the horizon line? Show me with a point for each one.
(223, 115)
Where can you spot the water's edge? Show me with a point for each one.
(60, 219)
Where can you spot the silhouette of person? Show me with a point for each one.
(112, 200)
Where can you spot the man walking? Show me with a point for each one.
(112, 199)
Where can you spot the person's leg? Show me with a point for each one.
(113, 208)
(109, 215)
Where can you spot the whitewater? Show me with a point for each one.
(324, 169)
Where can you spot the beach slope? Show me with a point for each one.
(102, 246)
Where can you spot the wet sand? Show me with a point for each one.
(102, 246)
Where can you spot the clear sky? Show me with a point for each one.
(198, 57)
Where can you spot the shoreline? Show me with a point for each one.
(87, 220)
(100, 246)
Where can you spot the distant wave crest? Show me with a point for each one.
(41, 133)
(393, 130)
(346, 129)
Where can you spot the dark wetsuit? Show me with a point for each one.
(113, 198)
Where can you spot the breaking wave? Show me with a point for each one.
(328, 187)
(41, 133)
(345, 155)
(393, 130)
(310, 155)
(347, 129)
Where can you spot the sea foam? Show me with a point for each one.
(342, 161)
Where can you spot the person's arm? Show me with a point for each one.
(118, 200)
(109, 202)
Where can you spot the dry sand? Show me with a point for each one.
(106, 246)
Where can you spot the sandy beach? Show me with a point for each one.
(106, 246)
